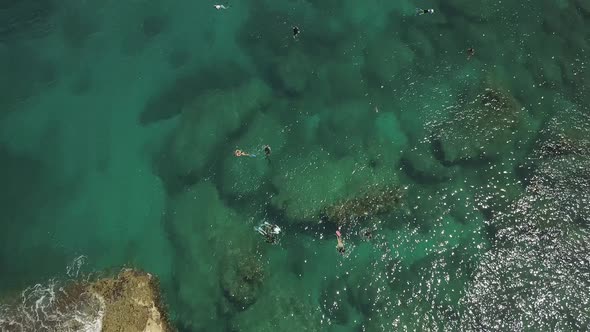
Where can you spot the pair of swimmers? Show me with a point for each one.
(266, 149)
(365, 233)
(271, 231)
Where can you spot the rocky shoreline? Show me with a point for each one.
(130, 301)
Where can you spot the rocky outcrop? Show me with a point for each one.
(131, 302)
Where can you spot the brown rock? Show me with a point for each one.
(132, 303)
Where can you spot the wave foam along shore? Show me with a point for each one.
(127, 302)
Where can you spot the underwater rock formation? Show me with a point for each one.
(482, 128)
(77, 26)
(206, 123)
(372, 202)
(216, 246)
(384, 62)
(584, 5)
(25, 74)
(242, 280)
(174, 97)
(310, 183)
(283, 309)
(542, 240)
(294, 70)
(243, 176)
(23, 19)
(422, 167)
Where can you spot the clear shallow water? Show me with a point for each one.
(119, 121)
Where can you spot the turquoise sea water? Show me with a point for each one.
(119, 120)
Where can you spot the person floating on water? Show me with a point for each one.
(470, 53)
(267, 152)
(340, 246)
(240, 153)
(296, 31)
(366, 234)
(424, 11)
(269, 231)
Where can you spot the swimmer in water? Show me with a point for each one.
(424, 11)
(267, 152)
(218, 7)
(240, 153)
(296, 31)
(470, 53)
(269, 231)
(340, 246)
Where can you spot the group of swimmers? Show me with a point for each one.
(270, 231)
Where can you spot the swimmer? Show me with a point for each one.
(269, 231)
(366, 234)
(218, 7)
(267, 152)
(424, 11)
(470, 53)
(240, 153)
(296, 31)
(340, 246)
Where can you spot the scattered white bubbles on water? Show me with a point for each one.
(54, 306)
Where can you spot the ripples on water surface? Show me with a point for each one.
(119, 120)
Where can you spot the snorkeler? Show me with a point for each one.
(240, 153)
(470, 53)
(366, 234)
(340, 246)
(267, 152)
(269, 231)
(296, 31)
(424, 11)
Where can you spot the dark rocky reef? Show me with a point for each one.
(242, 280)
(170, 101)
(486, 126)
(374, 201)
(24, 19)
(77, 26)
(153, 25)
(25, 73)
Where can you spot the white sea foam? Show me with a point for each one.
(53, 306)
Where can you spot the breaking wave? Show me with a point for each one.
(54, 306)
